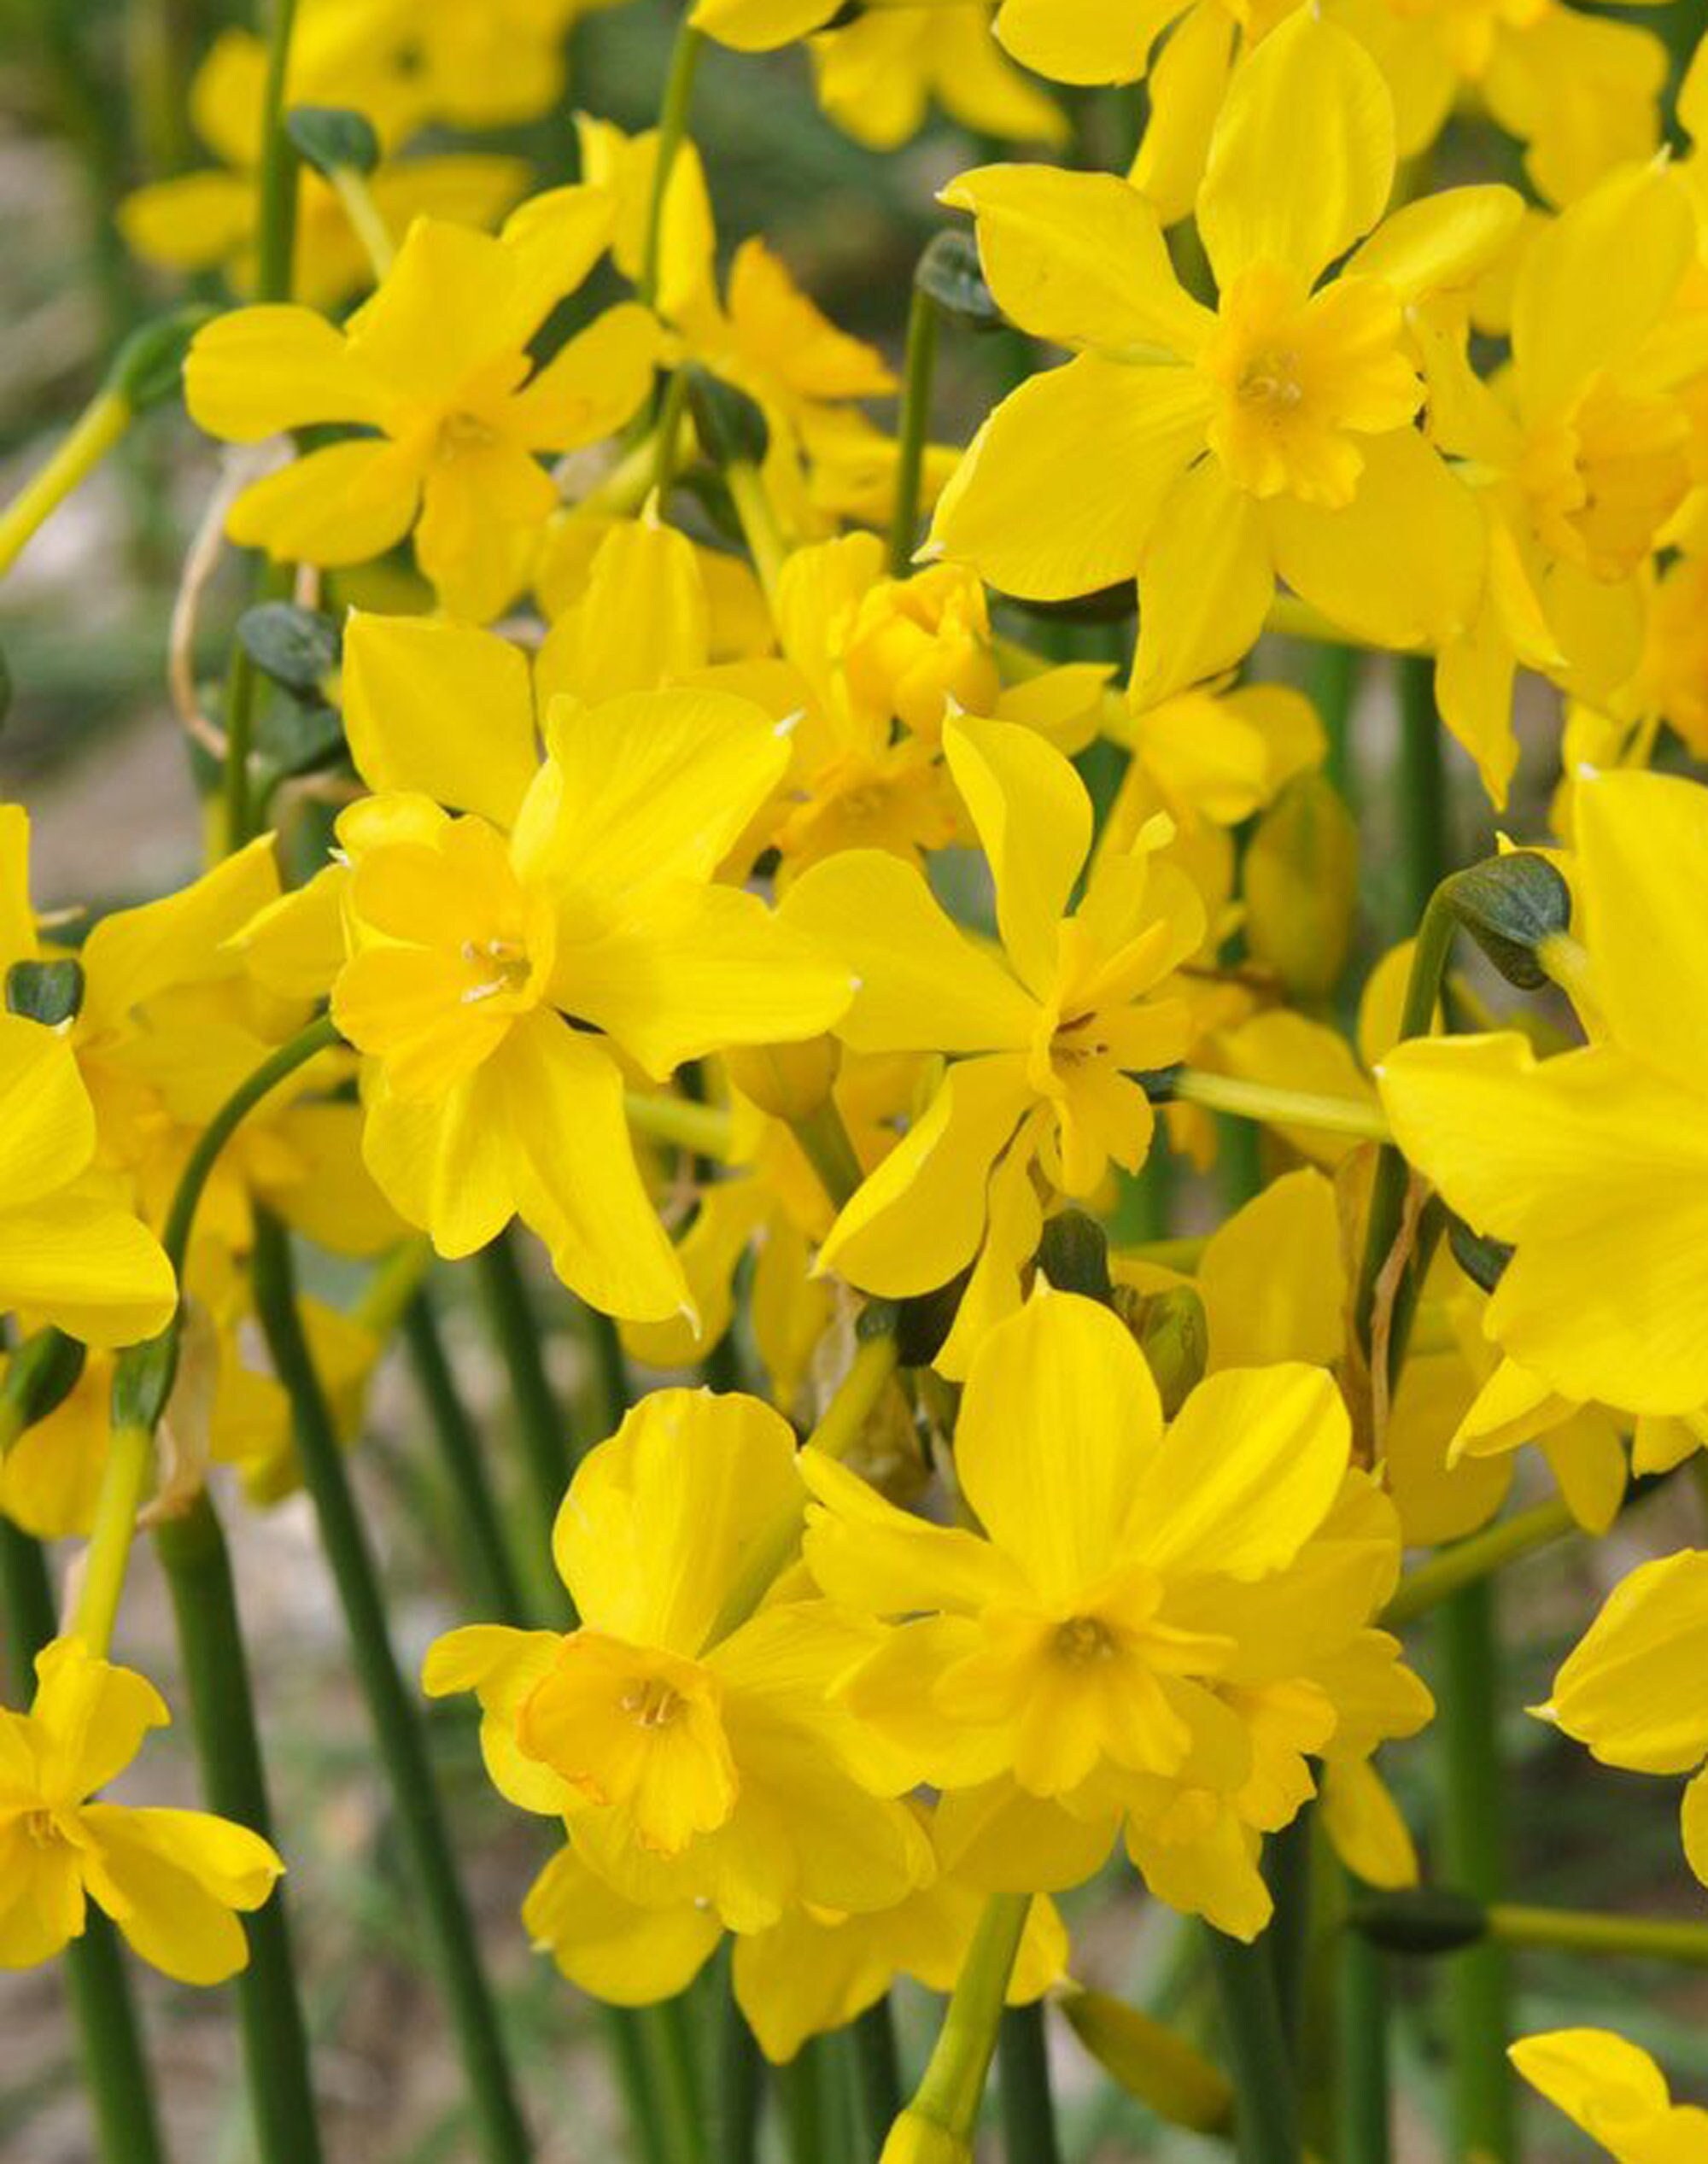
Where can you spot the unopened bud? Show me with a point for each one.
(1513, 906)
(1422, 1920)
(1074, 1254)
(1173, 1333)
(40, 1376)
(332, 138)
(789, 1081)
(1151, 2062)
(149, 367)
(950, 274)
(143, 1380)
(1301, 881)
(49, 993)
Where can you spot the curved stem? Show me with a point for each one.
(1282, 1108)
(318, 1037)
(673, 124)
(947, 2100)
(503, 2136)
(1468, 1561)
(100, 426)
(114, 2068)
(198, 1571)
(704, 1129)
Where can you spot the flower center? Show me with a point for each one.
(1298, 376)
(504, 965)
(651, 1703)
(1082, 1641)
(461, 432)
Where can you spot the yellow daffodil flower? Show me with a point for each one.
(435, 368)
(694, 1754)
(513, 926)
(1129, 1639)
(1615, 2093)
(1213, 451)
(1593, 1165)
(1044, 1036)
(1581, 452)
(170, 1879)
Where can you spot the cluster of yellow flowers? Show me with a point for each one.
(737, 877)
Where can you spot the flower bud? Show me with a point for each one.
(332, 138)
(48, 992)
(1074, 1254)
(788, 1081)
(950, 274)
(40, 1376)
(1424, 1919)
(1513, 906)
(1151, 2062)
(1301, 881)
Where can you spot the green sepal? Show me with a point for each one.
(49, 993)
(41, 1375)
(333, 138)
(148, 368)
(1483, 1260)
(950, 275)
(1510, 906)
(1074, 1254)
(731, 427)
(143, 1380)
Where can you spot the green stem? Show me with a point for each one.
(1361, 2091)
(878, 2063)
(1477, 1983)
(198, 1570)
(949, 2097)
(367, 220)
(1582, 1931)
(277, 176)
(503, 2135)
(1420, 791)
(704, 1129)
(918, 369)
(497, 1589)
(668, 2044)
(829, 1149)
(318, 1037)
(1287, 1857)
(97, 429)
(1467, 1562)
(547, 1451)
(738, 2074)
(1267, 2107)
(106, 1561)
(1334, 690)
(812, 2127)
(1279, 1107)
(115, 2071)
(1029, 2134)
(673, 124)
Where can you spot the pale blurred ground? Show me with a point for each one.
(91, 747)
